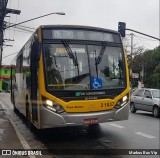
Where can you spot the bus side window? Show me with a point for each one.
(26, 68)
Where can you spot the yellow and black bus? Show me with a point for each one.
(69, 75)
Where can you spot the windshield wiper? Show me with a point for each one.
(70, 53)
(98, 59)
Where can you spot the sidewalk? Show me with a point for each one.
(11, 137)
(8, 136)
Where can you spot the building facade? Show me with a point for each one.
(5, 73)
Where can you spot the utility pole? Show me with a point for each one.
(3, 12)
(131, 57)
(142, 80)
(3, 4)
(131, 45)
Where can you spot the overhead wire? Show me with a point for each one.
(144, 42)
(18, 28)
(9, 25)
(27, 27)
(22, 30)
(146, 38)
(9, 55)
(139, 38)
(11, 43)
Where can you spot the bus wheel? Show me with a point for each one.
(28, 116)
(94, 130)
(93, 127)
(132, 108)
(14, 107)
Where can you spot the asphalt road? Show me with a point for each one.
(141, 131)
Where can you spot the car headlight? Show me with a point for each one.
(122, 102)
(53, 106)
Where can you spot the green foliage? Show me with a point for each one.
(137, 63)
(152, 68)
(150, 60)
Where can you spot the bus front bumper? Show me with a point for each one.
(50, 119)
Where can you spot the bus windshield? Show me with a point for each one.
(83, 66)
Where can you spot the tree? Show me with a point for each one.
(152, 68)
(147, 61)
(135, 61)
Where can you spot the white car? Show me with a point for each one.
(147, 100)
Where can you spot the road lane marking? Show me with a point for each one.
(145, 135)
(115, 125)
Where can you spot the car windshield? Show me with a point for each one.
(70, 66)
(156, 93)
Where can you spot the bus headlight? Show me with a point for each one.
(48, 102)
(125, 98)
(53, 106)
(122, 102)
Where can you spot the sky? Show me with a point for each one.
(139, 15)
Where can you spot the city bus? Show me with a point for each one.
(68, 75)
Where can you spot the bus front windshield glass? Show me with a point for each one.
(83, 66)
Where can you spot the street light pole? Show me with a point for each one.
(58, 13)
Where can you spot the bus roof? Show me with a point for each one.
(91, 28)
(78, 27)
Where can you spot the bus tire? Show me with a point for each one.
(28, 117)
(14, 107)
(94, 125)
(94, 130)
(132, 108)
